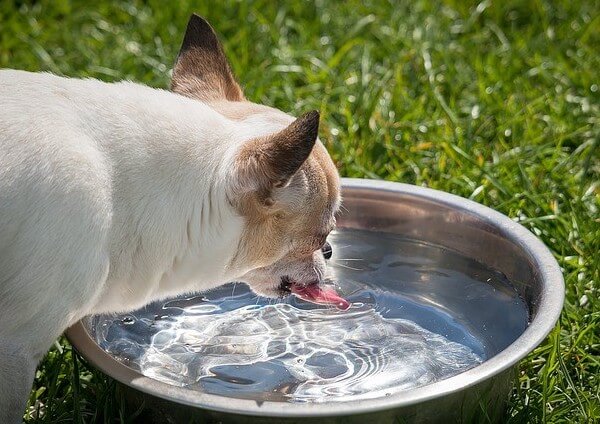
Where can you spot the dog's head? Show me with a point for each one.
(282, 182)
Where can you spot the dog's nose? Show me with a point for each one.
(327, 251)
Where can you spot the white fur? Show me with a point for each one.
(111, 195)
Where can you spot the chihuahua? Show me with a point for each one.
(114, 195)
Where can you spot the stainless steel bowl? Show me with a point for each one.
(477, 395)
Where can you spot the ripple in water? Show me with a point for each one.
(402, 331)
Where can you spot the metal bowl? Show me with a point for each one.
(476, 395)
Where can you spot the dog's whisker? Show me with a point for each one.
(349, 267)
(347, 259)
(319, 273)
(342, 247)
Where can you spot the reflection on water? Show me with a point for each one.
(419, 314)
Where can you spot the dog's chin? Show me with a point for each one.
(272, 292)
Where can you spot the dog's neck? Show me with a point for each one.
(173, 227)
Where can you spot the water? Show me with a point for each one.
(419, 314)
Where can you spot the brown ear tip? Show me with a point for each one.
(197, 26)
(198, 34)
(310, 122)
(195, 18)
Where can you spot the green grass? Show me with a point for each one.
(497, 101)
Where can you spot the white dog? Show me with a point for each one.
(116, 195)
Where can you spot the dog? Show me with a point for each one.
(114, 195)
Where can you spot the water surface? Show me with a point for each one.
(420, 313)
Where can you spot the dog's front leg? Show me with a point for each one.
(17, 370)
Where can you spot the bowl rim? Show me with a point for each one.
(549, 309)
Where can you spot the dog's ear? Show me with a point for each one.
(269, 162)
(201, 70)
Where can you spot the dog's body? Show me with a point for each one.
(115, 195)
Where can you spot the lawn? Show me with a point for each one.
(498, 102)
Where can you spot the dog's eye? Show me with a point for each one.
(327, 250)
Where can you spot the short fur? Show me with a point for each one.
(116, 195)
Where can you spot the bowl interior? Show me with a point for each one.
(431, 218)
(453, 223)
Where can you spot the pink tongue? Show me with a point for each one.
(323, 295)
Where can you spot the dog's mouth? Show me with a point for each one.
(314, 293)
(285, 286)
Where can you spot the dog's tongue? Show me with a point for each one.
(315, 293)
